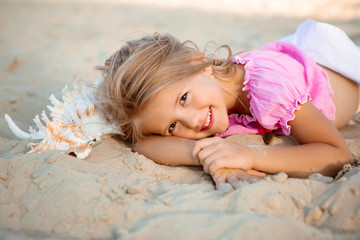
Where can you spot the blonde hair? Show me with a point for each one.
(143, 67)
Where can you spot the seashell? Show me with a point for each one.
(80, 108)
(68, 138)
(75, 124)
(33, 133)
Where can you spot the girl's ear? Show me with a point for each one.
(208, 71)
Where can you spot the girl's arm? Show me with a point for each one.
(322, 149)
(176, 151)
(173, 151)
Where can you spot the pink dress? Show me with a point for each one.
(277, 81)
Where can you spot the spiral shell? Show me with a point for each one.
(76, 123)
(68, 138)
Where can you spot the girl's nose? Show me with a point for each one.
(192, 120)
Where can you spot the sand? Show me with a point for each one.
(118, 194)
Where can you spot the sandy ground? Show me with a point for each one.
(117, 194)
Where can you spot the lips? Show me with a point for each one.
(209, 120)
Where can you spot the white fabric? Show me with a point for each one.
(329, 46)
(356, 118)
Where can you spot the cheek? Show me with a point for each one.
(225, 124)
(222, 121)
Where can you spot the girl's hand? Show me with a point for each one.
(233, 176)
(215, 153)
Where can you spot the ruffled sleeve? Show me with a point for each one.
(277, 82)
(240, 124)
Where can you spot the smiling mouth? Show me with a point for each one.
(209, 121)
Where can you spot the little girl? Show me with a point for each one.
(175, 105)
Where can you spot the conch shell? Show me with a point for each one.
(69, 138)
(76, 124)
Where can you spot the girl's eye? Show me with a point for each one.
(183, 99)
(172, 127)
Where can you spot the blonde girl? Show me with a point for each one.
(175, 106)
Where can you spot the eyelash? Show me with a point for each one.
(172, 127)
(183, 98)
(182, 102)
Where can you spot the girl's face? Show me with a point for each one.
(194, 108)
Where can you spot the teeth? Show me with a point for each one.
(208, 119)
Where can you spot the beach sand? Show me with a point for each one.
(118, 194)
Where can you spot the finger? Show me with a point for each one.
(205, 153)
(218, 162)
(203, 143)
(208, 162)
(233, 181)
(256, 173)
(246, 177)
(218, 180)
